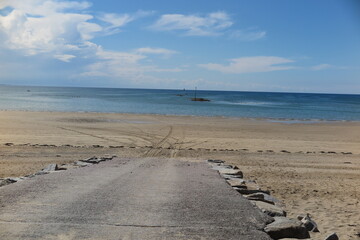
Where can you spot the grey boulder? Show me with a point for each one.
(250, 191)
(332, 236)
(231, 172)
(236, 182)
(286, 228)
(4, 182)
(260, 196)
(82, 164)
(270, 209)
(215, 161)
(93, 160)
(50, 168)
(219, 167)
(309, 224)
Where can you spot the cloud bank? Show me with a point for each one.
(194, 25)
(60, 28)
(64, 30)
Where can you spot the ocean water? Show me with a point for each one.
(276, 106)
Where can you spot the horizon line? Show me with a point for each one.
(179, 89)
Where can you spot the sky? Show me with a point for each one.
(241, 45)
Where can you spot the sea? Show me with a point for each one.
(273, 106)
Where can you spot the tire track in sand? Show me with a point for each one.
(157, 147)
(178, 145)
(88, 134)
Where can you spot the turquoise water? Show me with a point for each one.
(294, 106)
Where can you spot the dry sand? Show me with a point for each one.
(305, 165)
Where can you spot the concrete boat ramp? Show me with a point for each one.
(129, 199)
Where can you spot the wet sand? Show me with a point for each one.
(313, 167)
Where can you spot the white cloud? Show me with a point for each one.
(250, 65)
(116, 20)
(194, 25)
(38, 26)
(321, 67)
(159, 51)
(64, 30)
(248, 35)
(124, 65)
(64, 57)
(57, 27)
(325, 66)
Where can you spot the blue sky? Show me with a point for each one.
(253, 45)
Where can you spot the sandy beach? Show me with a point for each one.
(312, 167)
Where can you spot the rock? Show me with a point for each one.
(269, 209)
(66, 166)
(50, 168)
(284, 151)
(309, 224)
(93, 160)
(250, 191)
(227, 177)
(300, 217)
(236, 182)
(82, 164)
(264, 198)
(332, 236)
(219, 167)
(252, 185)
(15, 179)
(286, 228)
(231, 172)
(9, 144)
(4, 182)
(213, 160)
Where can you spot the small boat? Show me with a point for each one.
(196, 99)
(200, 99)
